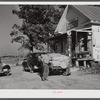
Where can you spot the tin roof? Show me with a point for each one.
(91, 12)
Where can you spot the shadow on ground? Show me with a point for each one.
(54, 72)
(2, 74)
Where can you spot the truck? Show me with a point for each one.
(56, 62)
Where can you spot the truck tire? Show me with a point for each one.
(67, 72)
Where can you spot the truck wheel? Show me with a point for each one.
(67, 72)
(7, 74)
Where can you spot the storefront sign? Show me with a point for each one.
(96, 53)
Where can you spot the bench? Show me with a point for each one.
(84, 61)
(82, 54)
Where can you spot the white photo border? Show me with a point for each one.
(29, 93)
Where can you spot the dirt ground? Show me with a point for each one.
(26, 80)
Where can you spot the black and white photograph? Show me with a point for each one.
(50, 46)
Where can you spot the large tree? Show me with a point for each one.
(39, 23)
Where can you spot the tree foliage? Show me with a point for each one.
(39, 23)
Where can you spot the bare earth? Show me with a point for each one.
(26, 80)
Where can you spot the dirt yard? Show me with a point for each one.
(26, 80)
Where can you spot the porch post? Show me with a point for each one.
(69, 41)
(90, 43)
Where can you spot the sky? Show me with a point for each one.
(7, 20)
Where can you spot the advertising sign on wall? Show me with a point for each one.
(96, 53)
(96, 42)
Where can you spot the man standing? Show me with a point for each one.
(45, 71)
(45, 66)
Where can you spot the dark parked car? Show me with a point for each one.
(31, 61)
(5, 70)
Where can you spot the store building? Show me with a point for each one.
(78, 33)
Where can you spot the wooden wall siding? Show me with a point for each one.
(60, 42)
(64, 43)
(73, 42)
(73, 14)
(58, 45)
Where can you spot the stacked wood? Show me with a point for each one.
(55, 59)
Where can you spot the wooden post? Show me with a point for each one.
(89, 44)
(92, 44)
(84, 62)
